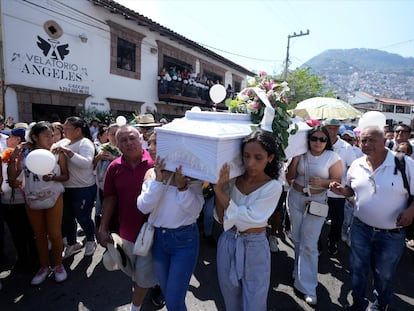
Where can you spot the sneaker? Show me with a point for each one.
(60, 273)
(90, 248)
(311, 300)
(72, 249)
(157, 297)
(40, 276)
(273, 244)
(332, 248)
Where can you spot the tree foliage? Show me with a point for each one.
(303, 85)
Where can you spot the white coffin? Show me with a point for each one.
(202, 142)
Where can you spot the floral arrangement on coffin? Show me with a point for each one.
(265, 100)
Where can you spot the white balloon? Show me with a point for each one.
(217, 93)
(372, 118)
(121, 120)
(41, 162)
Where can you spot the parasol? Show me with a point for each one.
(326, 108)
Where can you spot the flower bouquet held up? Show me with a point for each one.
(266, 103)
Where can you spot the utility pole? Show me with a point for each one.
(287, 52)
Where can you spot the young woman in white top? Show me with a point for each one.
(44, 204)
(310, 175)
(176, 239)
(243, 206)
(80, 189)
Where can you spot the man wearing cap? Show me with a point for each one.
(381, 212)
(336, 202)
(351, 138)
(122, 185)
(146, 124)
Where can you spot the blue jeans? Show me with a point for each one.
(381, 251)
(77, 206)
(306, 229)
(243, 269)
(175, 253)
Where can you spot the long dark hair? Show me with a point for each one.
(38, 128)
(80, 123)
(268, 142)
(322, 129)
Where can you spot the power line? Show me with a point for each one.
(239, 55)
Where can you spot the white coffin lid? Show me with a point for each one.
(210, 125)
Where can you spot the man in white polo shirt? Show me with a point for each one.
(381, 212)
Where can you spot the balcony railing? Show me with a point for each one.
(186, 92)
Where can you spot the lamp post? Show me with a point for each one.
(287, 52)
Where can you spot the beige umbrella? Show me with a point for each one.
(326, 108)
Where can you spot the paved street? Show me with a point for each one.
(90, 287)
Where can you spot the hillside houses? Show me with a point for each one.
(395, 110)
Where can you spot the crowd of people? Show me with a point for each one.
(108, 181)
(187, 83)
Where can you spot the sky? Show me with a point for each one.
(254, 33)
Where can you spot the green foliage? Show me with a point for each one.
(251, 101)
(304, 84)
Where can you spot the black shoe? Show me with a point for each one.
(332, 248)
(358, 306)
(157, 297)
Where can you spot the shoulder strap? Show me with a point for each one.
(400, 165)
(156, 209)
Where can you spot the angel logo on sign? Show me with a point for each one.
(53, 49)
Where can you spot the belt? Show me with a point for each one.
(250, 230)
(396, 230)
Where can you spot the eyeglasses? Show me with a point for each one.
(321, 139)
(401, 131)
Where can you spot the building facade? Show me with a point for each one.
(396, 111)
(61, 58)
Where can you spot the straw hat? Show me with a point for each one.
(116, 258)
(146, 120)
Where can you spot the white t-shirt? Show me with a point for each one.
(318, 166)
(380, 195)
(176, 208)
(80, 165)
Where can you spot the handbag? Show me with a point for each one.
(312, 207)
(317, 209)
(145, 238)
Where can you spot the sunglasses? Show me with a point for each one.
(401, 131)
(321, 139)
(349, 140)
